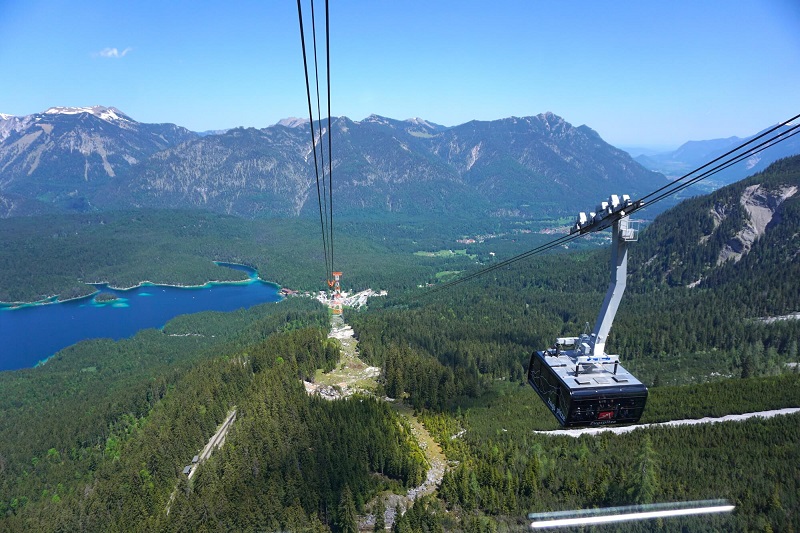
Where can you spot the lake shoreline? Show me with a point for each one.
(32, 334)
(54, 299)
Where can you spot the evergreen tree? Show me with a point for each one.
(346, 514)
(645, 475)
(400, 521)
(380, 517)
(747, 367)
(657, 380)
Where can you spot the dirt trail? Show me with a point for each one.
(437, 465)
(352, 375)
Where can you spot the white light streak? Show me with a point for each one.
(607, 519)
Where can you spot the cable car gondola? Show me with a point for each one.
(585, 395)
(580, 383)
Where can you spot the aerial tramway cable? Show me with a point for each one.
(659, 194)
(726, 154)
(324, 193)
(330, 132)
(313, 135)
(325, 188)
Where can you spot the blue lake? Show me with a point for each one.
(30, 334)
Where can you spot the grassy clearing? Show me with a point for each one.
(445, 254)
(350, 372)
(446, 275)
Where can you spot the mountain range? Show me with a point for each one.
(58, 160)
(694, 154)
(96, 158)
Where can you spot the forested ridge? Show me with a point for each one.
(80, 456)
(683, 245)
(446, 354)
(61, 420)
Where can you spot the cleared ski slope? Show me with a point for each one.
(688, 422)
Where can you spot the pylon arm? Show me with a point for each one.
(622, 234)
(612, 213)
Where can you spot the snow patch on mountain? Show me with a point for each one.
(108, 114)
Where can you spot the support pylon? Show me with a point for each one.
(337, 294)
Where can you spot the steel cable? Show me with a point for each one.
(324, 197)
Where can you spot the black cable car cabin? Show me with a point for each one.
(586, 395)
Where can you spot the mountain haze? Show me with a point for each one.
(694, 154)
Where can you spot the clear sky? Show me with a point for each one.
(644, 73)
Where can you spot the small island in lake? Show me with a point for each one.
(104, 297)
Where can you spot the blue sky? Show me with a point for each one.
(640, 73)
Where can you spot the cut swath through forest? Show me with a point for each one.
(353, 376)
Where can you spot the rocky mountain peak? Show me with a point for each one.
(66, 154)
(550, 117)
(292, 122)
(8, 124)
(421, 122)
(377, 119)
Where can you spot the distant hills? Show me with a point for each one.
(97, 158)
(694, 154)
